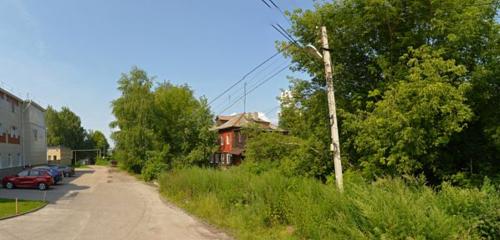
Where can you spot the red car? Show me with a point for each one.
(30, 178)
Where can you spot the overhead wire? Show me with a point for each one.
(255, 87)
(245, 76)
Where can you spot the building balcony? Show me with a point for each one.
(13, 139)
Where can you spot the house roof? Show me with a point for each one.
(243, 120)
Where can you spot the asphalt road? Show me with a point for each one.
(102, 203)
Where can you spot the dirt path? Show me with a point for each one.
(103, 204)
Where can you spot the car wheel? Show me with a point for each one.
(42, 186)
(9, 185)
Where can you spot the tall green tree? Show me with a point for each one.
(64, 128)
(133, 110)
(160, 126)
(390, 58)
(98, 140)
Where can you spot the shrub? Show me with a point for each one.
(101, 161)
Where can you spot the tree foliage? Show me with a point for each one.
(98, 140)
(64, 128)
(417, 85)
(159, 125)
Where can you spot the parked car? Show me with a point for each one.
(53, 171)
(29, 178)
(67, 171)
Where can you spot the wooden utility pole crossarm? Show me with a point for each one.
(332, 110)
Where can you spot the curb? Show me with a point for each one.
(24, 213)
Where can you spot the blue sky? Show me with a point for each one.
(71, 53)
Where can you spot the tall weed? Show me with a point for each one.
(269, 205)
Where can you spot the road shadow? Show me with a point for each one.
(65, 190)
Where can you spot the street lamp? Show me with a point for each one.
(313, 52)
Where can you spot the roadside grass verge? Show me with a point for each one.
(8, 206)
(272, 206)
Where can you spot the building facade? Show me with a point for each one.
(22, 133)
(59, 155)
(232, 139)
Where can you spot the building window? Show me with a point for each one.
(221, 140)
(35, 134)
(227, 139)
(13, 106)
(13, 131)
(55, 157)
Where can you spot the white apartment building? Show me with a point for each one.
(22, 133)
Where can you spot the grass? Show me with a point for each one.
(272, 206)
(8, 206)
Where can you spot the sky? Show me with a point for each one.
(71, 53)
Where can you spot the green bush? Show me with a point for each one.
(270, 205)
(155, 164)
(101, 161)
(291, 155)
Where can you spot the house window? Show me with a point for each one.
(55, 157)
(221, 140)
(227, 139)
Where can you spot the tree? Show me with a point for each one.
(134, 135)
(405, 130)
(64, 128)
(160, 127)
(98, 140)
(183, 122)
(372, 45)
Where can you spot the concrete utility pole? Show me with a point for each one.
(335, 147)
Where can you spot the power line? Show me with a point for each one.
(272, 109)
(250, 81)
(266, 3)
(277, 8)
(246, 75)
(287, 33)
(254, 88)
(251, 86)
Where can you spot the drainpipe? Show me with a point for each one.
(23, 131)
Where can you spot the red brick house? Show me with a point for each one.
(231, 139)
